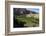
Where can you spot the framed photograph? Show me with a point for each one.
(25, 18)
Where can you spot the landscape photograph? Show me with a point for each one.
(25, 17)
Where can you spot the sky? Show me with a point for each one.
(33, 9)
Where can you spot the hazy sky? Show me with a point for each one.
(33, 9)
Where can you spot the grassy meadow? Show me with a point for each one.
(29, 21)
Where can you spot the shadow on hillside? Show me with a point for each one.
(18, 24)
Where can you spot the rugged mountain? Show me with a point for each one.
(22, 11)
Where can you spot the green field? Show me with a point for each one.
(30, 21)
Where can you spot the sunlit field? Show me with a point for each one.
(29, 21)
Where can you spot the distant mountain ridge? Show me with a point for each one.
(21, 11)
